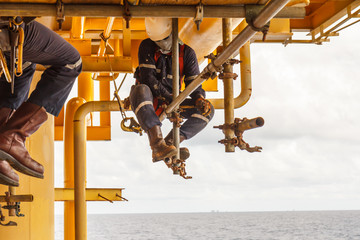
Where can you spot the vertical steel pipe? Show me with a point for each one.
(69, 207)
(175, 79)
(228, 87)
(80, 161)
(266, 14)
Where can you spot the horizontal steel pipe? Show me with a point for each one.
(17, 198)
(250, 124)
(112, 10)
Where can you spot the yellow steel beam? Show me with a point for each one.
(115, 34)
(126, 40)
(107, 31)
(101, 64)
(92, 194)
(104, 64)
(86, 86)
(324, 16)
(17, 198)
(99, 23)
(78, 27)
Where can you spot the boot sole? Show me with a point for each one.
(8, 181)
(18, 166)
(167, 155)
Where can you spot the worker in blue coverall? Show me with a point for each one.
(20, 114)
(154, 88)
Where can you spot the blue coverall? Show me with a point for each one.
(63, 65)
(155, 78)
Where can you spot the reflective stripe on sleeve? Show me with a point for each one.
(151, 66)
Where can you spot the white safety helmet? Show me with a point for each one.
(158, 28)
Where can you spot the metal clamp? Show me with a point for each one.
(212, 73)
(224, 75)
(239, 126)
(176, 118)
(178, 167)
(199, 15)
(60, 13)
(251, 12)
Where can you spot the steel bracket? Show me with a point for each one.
(127, 14)
(199, 15)
(60, 13)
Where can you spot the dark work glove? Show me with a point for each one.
(203, 106)
(168, 97)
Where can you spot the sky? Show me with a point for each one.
(309, 97)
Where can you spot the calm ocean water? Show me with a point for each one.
(324, 225)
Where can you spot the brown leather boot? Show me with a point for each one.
(5, 115)
(184, 152)
(7, 175)
(158, 146)
(25, 121)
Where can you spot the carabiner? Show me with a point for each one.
(133, 126)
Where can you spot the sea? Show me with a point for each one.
(302, 225)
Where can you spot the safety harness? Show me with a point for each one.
(159, 104)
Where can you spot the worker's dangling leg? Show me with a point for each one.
(141, 100)
(15, 126)
(41, 46)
